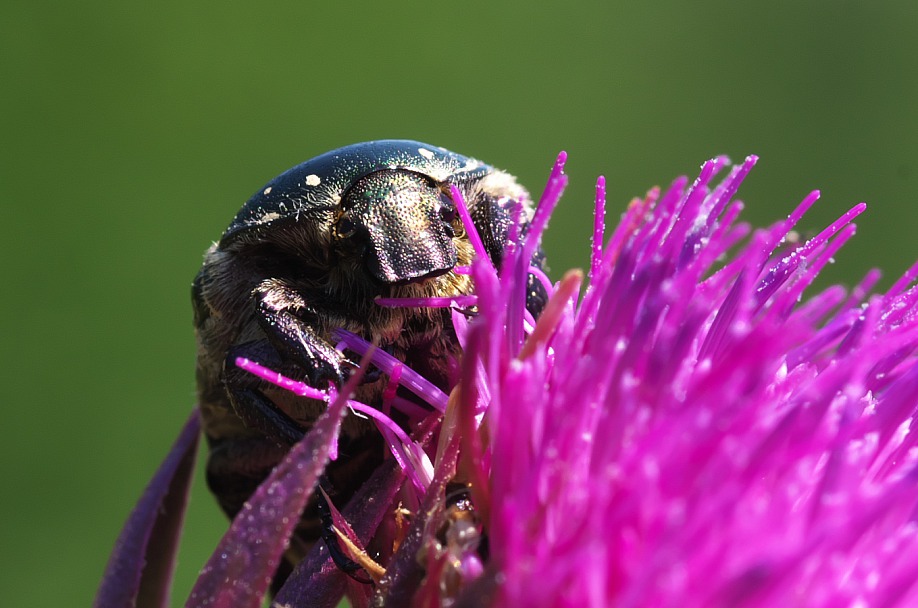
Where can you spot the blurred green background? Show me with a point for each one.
(132, 133)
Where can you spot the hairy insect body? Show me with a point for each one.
(307, 255)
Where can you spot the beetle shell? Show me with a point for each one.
(318, 184)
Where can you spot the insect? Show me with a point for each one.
(307, 255)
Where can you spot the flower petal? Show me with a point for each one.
(317, 581)
(240, 570)
(404, 574)
(139, 571)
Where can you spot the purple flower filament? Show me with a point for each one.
(408, 454)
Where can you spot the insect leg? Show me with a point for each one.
(292, 326)
(250, 404)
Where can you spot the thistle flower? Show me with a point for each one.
(686, 430)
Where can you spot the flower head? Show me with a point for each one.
(695, 434)
(686, 429)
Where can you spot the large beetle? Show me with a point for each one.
(306, 255)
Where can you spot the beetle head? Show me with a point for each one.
(403, 223)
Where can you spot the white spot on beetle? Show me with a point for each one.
(313, 180)
(425, 153)
(267, 191)
(269, 217)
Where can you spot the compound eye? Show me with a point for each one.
(447, 209)
(345, 227)
(450, 216)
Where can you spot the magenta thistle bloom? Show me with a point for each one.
(686, 430)
(694, 434)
